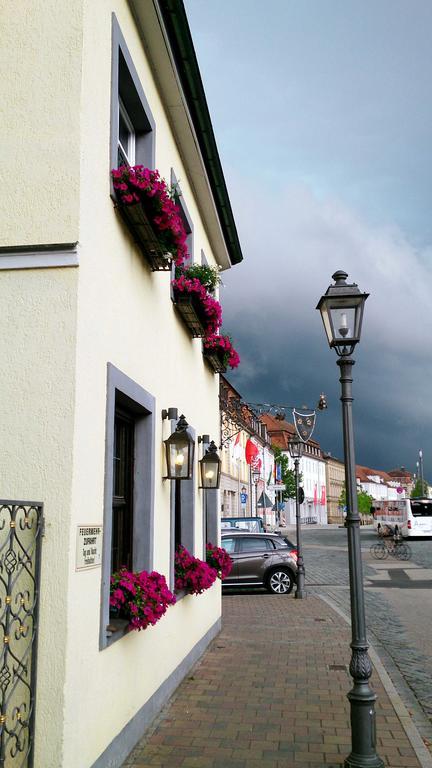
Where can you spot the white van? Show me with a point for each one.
(412, 517)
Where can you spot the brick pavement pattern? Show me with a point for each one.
(270, 692)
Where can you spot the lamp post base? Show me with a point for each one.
(299, 594)
(360, 761)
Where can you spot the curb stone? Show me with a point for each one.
(421, 751)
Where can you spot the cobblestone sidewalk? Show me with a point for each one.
(269, 693)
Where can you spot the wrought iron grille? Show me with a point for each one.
(21, 527)
(235, 414)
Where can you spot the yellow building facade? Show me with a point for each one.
(90, 331)
(335, 478)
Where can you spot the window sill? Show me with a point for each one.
(116, 629)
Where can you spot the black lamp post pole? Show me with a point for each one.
(361, 697)
(299, 593)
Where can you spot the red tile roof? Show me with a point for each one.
(365, 473)
(401, 472)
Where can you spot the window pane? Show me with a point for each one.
(122, 520)
(124, 132)
(253, 545)
(421, 508)
(228, 544)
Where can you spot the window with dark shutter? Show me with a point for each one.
(122, 503)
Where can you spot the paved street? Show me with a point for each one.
(398, 599)
(271, 690)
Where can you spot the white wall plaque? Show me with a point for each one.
(88, 547)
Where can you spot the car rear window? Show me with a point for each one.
(228, 543)
(284, 542)
(254, 544)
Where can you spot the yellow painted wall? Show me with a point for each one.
(37, 391)
(126, 317)
(41, 56)
(60, 328)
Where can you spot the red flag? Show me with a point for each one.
(323, 495)
(315, 495)
(251, 451)
(236, 448)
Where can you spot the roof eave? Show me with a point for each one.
(177, 73)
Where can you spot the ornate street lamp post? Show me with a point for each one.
(420, 466)
(342, 312)
(296, 450)
(255, 479)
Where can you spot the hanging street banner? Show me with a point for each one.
(304, 424)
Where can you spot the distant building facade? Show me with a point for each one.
(378, 484)
(312, 468)
(247, 459)
(335, 482)
(403, 478)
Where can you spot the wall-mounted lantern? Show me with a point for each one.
(210, 468)
(180, 447)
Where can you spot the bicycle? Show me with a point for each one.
(397, 549)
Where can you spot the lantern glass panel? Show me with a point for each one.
(210, 473)
(343, 322)
(178, 461)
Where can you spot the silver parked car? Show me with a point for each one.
(261, 559)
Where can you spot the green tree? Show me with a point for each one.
(288, 475)
(364, 501)
(418, 490)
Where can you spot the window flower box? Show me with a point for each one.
(219, 352)
(200, 311)
(192, 574)
(215, 359)
(219, 559)
(140, 599)
(192, 313)
(146, 204)
(137, 221)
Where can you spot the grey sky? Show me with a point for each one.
(323, 115)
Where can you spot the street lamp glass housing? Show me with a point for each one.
(341, 310)
(296, 447)
(180, 447)
(210, 466)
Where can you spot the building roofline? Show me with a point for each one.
(177, 28)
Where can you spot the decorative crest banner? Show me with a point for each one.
(304, 424)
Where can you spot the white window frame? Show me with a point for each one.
(129, 152)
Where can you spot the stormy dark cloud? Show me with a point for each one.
(269, 302)
(323, 119)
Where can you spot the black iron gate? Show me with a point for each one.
(21, 527)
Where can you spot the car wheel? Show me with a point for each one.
(279, 582)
